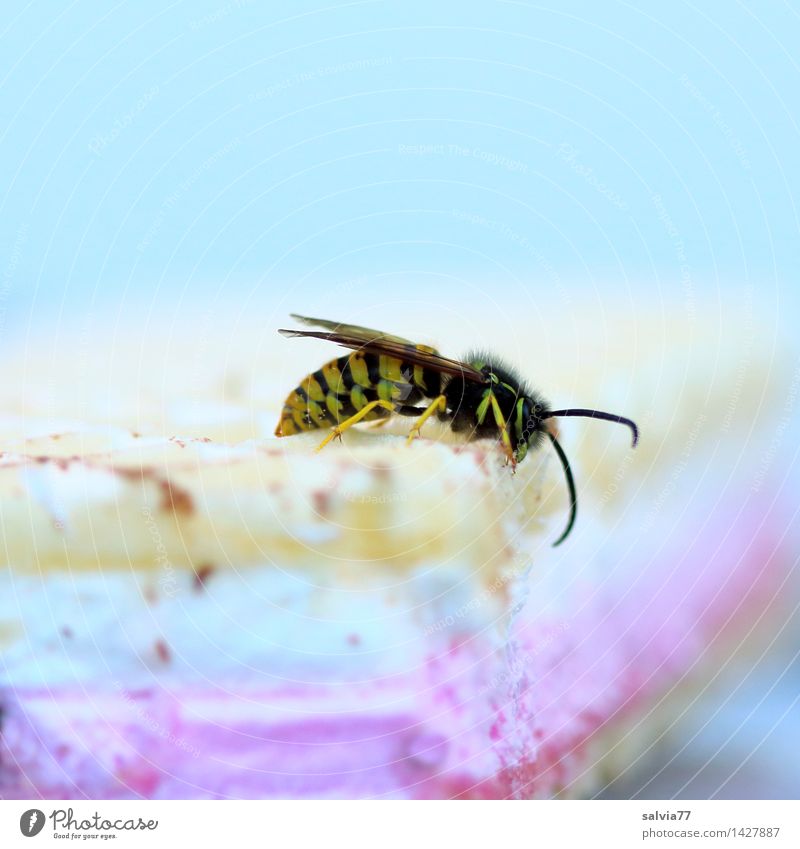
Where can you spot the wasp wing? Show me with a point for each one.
(376, 342)
(366, 334)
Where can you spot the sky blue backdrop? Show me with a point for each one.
(228, 146)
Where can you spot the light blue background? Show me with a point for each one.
(226, 148)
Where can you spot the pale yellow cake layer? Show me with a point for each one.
(74, 503)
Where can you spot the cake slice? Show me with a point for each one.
(208, 617)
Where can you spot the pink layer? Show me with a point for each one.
(450, 728)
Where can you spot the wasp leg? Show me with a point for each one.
(503, 427)
(340, 429)
(438, 405)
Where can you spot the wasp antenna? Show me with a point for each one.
(598, 414)
(573, 498)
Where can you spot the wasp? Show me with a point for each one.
(480, 397)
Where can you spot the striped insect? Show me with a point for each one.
(387, 375)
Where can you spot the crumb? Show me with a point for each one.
(202, 574)
(163, 652)
(382, 473)
(176, 499)
(353, 640)
(67, 632)
(61, 462)
(321, 499)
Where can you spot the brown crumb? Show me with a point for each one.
(202, 574)
(322, 501)
(175, 499)
(163, 652)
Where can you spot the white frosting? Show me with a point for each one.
(259, 626)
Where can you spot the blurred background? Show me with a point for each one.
(494, 172)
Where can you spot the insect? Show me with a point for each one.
(387, 375)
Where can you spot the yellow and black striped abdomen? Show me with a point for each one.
(343, 386)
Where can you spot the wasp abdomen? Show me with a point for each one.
(343, 386)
